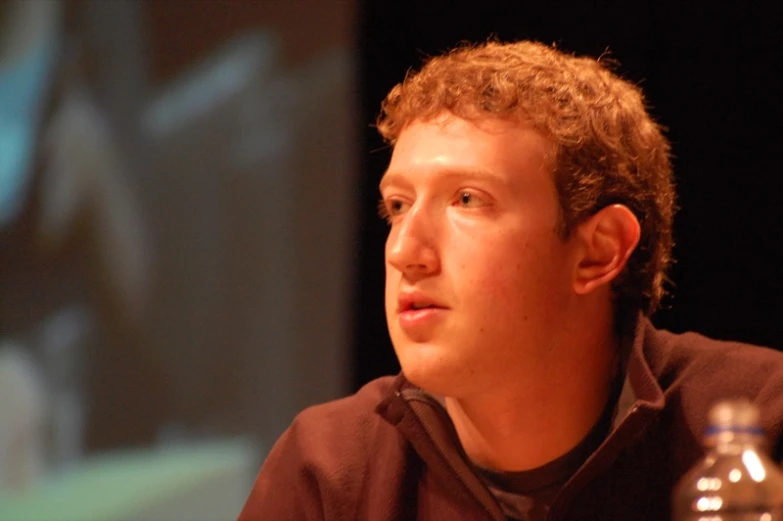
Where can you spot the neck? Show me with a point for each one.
(528, 424)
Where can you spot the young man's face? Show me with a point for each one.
(478, 281)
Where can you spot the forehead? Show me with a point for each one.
(491, 148)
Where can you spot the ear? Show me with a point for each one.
(608, 238)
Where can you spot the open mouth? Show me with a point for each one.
(414, 301)
(416, 306)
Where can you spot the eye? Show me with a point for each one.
(388, 209)
(469, 199)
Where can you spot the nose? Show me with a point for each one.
(410, 247)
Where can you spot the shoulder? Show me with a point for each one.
(696, 371)
(353, 416)
(693, 355)
(318, 467)
(341, 428)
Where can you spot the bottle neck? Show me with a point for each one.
(734, 440)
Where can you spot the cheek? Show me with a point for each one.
(503, 295)
(513, 279)
(492, 279)
(389, 293)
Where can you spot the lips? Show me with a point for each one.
(408, 302)
(419, 314)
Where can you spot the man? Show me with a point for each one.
(530, 204)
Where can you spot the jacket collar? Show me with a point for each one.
(426, 425)
(640, 401)
(640, 386)
(428, 428)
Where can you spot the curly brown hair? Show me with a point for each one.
(607, 147)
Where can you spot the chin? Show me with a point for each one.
(429, 369)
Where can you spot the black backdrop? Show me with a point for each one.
(711, 74)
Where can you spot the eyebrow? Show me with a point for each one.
(472, 173)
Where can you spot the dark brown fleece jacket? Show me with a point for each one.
(389, 452)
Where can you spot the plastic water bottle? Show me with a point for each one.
(736, 480)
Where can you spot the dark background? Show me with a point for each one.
(711, 75)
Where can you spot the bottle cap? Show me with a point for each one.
(734, 415)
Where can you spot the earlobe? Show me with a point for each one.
(608, 238)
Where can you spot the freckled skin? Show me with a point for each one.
(496, 263)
